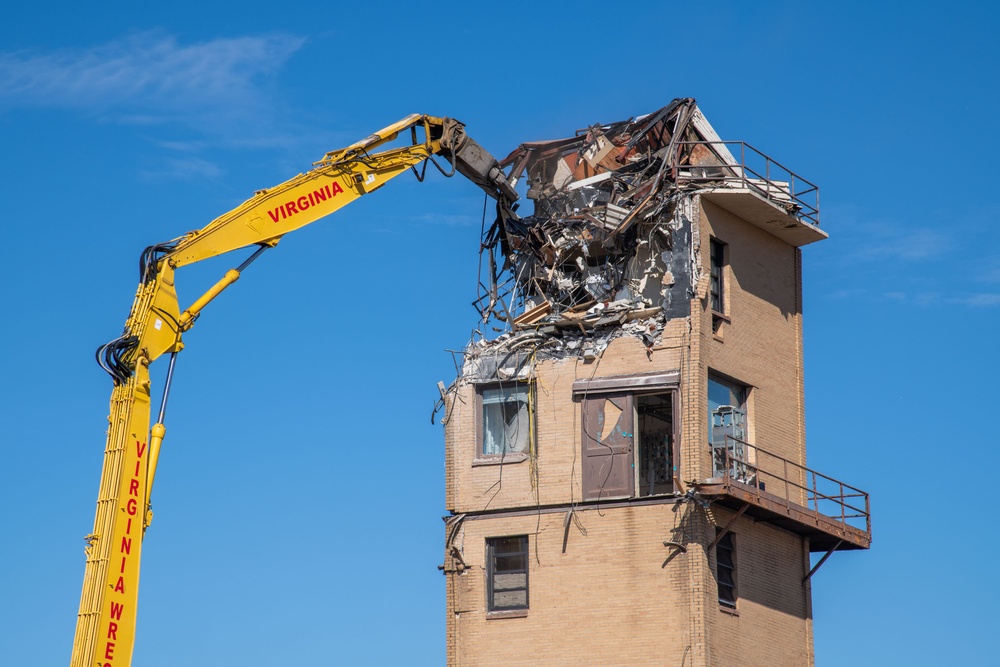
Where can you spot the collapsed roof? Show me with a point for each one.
(608, 250)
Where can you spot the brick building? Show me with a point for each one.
(626, 473)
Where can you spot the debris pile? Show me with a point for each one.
(608, 250)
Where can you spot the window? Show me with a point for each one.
(630, 435)
(725, 570)
(727, 428)
(507, 573)
(725, 397)
(717, 284)
(655, 442)
(718, 260)
(505, 421)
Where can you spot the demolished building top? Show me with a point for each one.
(609, 249)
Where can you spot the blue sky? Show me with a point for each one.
(300, 491)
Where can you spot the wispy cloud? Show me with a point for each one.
(933, 258)
(447, 220)
(217, 86)
(979, 300)
(883, 240)
(990, 274)
(912, 245)
(918, 297)
(852, 293)
(184, 169)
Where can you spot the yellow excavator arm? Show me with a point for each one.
(105, 627)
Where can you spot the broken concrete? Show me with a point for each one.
(609, 250)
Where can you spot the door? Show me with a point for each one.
(608, 447)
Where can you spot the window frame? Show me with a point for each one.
(737, 451)
(482, 458)
(717, 262)
(491, 572)
(736, 387)
(640, 447)
(628, 388)
(727, 544)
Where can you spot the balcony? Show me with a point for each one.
(754, 187)
(833, 515)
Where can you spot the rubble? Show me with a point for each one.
(608, 250)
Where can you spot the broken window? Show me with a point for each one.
(507, 573)
(655, 440)
(727, 428)
(506, 420)
(725, 570)
(629, 435)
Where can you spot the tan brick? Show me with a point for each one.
(616, 595)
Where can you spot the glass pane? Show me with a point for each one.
(725, 570)
(510, 599)
(507, 545)
(515, 392)
(505, 420)
(516, 427)
(508, 572)
(493, 432)
(722, 393)
(511, 563)
(717, 257)
(724, 549)
(506, 582)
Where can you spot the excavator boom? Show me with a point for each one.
(106, 622)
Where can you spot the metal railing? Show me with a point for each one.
(791, 482)
(754, 171)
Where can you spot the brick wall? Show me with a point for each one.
(616, 595)
(761, 346)
(772, 624)
(471, 487)
(607, 600)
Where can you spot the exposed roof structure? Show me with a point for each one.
(608, 249)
